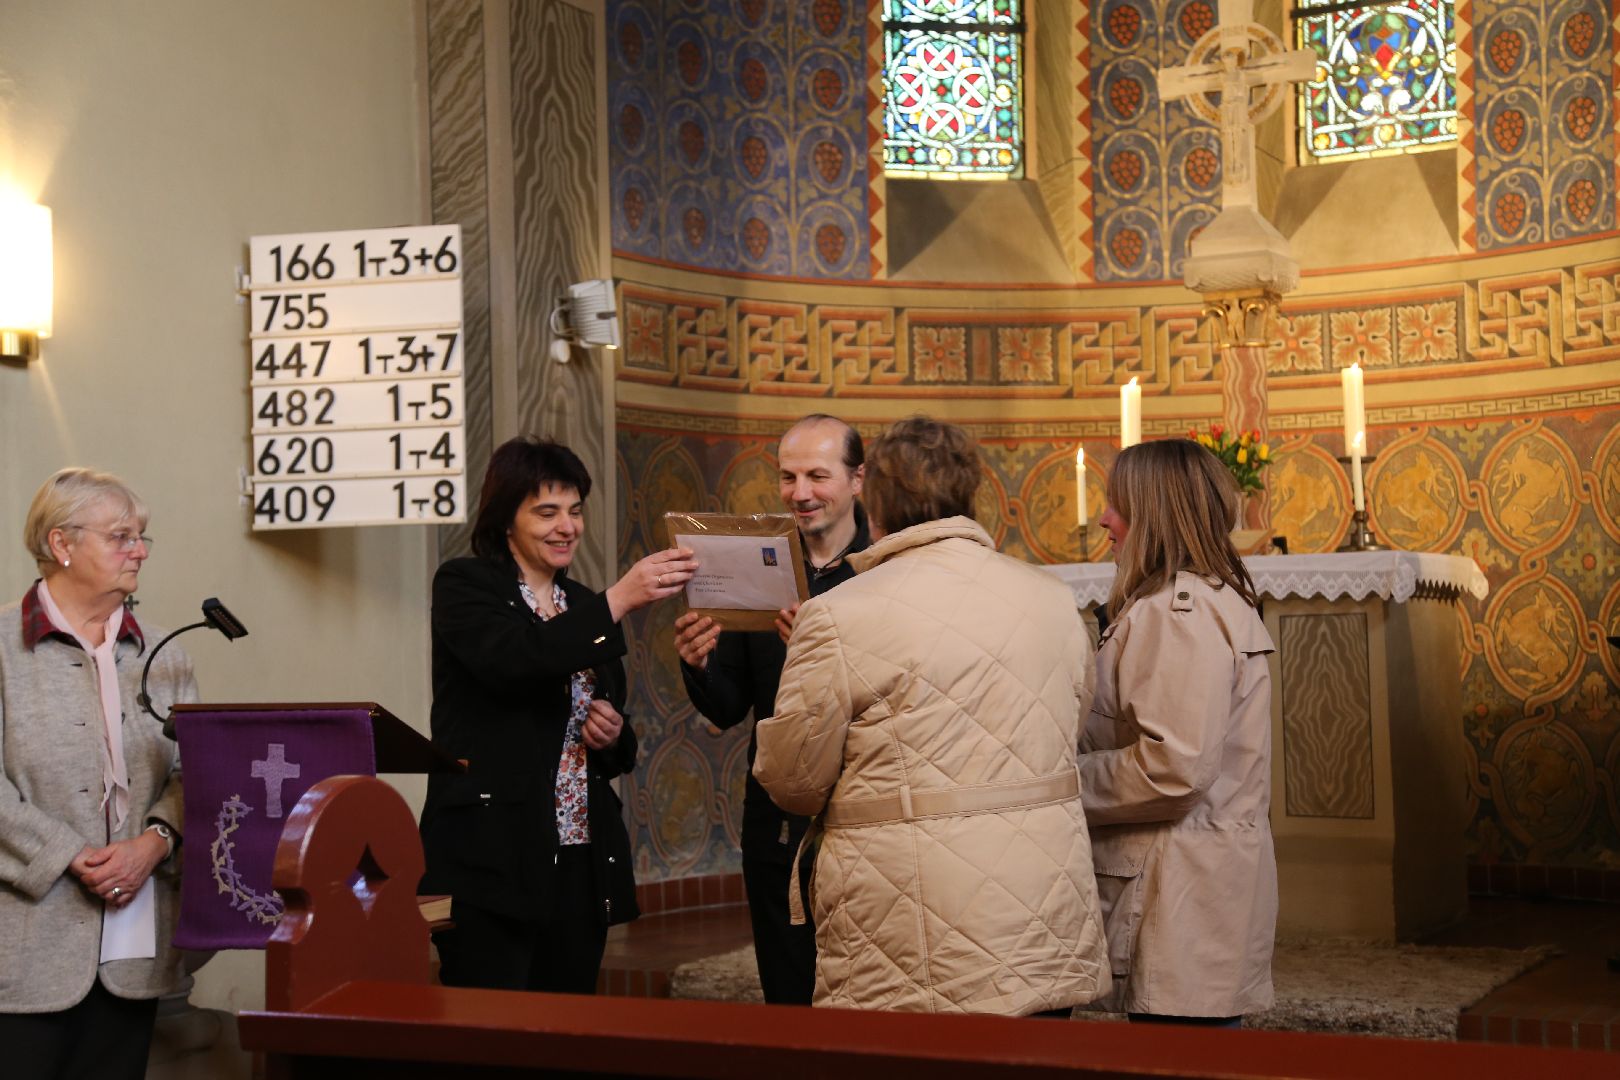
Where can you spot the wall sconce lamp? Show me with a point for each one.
(25, 279)
(586, 315)
(1243, 318)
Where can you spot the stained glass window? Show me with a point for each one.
(953, 79)
(1385, 78)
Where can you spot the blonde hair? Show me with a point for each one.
(1179, 504)
(65, 498)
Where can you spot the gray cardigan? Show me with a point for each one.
(50, 809)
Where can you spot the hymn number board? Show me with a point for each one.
(356, 372)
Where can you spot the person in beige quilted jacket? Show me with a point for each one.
(929, 713)
(1176, 769)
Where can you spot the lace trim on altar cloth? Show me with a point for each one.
(1390, 575)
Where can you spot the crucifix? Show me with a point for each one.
(1239, 262)
(1248, 66)
(274, 770)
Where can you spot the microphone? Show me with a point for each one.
(216, 615)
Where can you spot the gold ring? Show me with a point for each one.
(660, 581)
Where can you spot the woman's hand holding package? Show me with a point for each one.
(660, 575)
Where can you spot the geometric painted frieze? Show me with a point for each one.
(1551, 318)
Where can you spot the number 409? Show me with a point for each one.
(294, 503)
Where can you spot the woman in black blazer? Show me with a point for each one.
(528, 689)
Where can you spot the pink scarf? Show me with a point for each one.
(114, 773)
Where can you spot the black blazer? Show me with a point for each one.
(501, 701)
(742, 676)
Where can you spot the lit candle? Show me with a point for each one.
(1355, 408)
(1356, 449)
(1130, 414)
(1080, 483)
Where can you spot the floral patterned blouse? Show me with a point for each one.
(573, 827)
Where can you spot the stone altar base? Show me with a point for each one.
(1369, 796)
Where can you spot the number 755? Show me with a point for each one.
(297, 311)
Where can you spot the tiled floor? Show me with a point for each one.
(1571, 1000)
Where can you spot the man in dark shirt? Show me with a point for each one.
(730, 674)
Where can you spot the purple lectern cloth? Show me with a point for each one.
(243, 773)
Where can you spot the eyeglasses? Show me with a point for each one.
(123, 539)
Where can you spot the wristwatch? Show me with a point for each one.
(165, 832)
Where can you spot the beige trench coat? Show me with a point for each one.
(930, 712)
(1176, 778)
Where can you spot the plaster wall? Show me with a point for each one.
(163, 136)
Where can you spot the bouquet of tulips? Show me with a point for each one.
(1244, 454)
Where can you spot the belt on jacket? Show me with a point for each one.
(909, 805)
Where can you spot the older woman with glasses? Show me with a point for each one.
(89, 793)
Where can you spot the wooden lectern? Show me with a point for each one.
(399, 747)
(246, 766)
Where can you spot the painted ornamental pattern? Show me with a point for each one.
(1544, 120)
(1157, 166)
(737, 135)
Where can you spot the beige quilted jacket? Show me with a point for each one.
(929, 712)
(1177, 787)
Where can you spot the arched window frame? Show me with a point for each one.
(994, 32)
(1328, 129)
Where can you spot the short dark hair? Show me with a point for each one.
(519, 468)
(921, 469)
(854, 450)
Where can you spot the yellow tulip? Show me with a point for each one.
(1243, 456)
(1246, 439)
(1265, 452)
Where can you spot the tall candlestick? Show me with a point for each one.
(1357, 448)
(1355, 408)
(1130, 414)
(1080, 484)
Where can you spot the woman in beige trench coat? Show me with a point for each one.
(1176, 762)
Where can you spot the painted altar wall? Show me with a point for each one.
(1476, 285)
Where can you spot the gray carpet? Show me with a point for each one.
(1348, 987)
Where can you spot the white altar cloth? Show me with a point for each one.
(1390, 575)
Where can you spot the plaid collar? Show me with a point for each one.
(36, 625)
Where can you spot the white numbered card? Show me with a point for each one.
(355, 378)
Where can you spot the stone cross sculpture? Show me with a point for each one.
(1235, 59)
